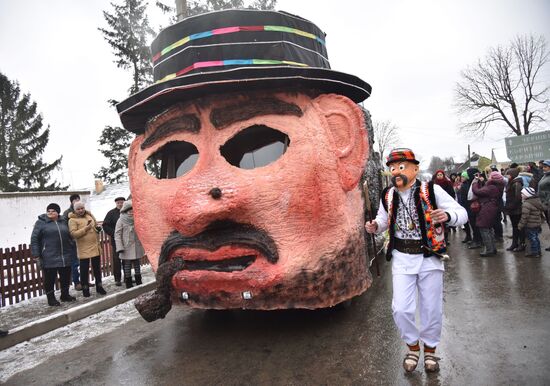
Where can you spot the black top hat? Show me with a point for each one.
(235, 50)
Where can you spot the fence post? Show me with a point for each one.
(2, 278)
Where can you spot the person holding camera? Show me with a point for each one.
(84, 229)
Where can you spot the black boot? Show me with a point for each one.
(85, 290)
(519, 248)
(138, 280)
(52, 301)
(512, 247)
(128, 282)
(99, 289)
(65, 297)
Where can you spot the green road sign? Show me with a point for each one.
(530, 147)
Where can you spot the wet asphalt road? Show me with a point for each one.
(496, 332)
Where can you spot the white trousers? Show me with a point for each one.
(430, 303)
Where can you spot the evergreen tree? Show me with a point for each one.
(115, 142)
(195, 7)
(127, 34)
(22, 143)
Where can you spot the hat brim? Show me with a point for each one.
(136, 110)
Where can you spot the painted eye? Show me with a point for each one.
(402, 167)
(392, 168)
(254, 147)
(172, 160)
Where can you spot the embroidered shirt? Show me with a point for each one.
(413, 264)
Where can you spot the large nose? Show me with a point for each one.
(211, 198)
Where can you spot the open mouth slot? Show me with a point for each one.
(228, 265)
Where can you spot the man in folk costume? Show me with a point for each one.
(415, 213)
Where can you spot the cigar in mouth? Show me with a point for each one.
(155, 305)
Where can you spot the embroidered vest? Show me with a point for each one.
(424, 200)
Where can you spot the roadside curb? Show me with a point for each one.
(52, 322)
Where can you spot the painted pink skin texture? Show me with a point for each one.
(308, 201)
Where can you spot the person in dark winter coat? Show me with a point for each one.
(462, 198)
(537, 175)
(531, 219)
(109, 224)
(513, 209)
(544, 191)
(476, 235)
(74, 198)
(488, 196)
(441, 179)
(53, 247)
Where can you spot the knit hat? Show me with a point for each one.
(496, 176)
(528, 192)
(464, 174)
(55, 207)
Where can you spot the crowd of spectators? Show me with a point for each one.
(520, 193)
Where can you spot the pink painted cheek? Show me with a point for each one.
(151, 223)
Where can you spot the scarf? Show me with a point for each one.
(127, 218)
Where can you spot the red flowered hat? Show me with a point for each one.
(401, 154)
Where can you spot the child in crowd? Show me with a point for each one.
(531, 219)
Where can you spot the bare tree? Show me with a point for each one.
(506, 87)
(385, 135)
(438, 163)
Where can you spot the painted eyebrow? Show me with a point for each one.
(188, 122)
(225, 116)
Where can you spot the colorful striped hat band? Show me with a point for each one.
(233, 29)
(236, 50)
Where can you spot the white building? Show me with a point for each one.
(20, 210)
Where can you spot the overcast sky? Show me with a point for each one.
(411, 52)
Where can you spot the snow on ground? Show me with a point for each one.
(29, 310)
(31, 353)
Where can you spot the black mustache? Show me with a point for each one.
(220, 233)
(403, 178)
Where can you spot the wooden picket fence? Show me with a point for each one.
(21, 279)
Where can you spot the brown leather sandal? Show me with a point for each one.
(431, 363)
(411, 361)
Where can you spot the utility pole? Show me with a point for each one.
(469, 160)
(181, 9)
